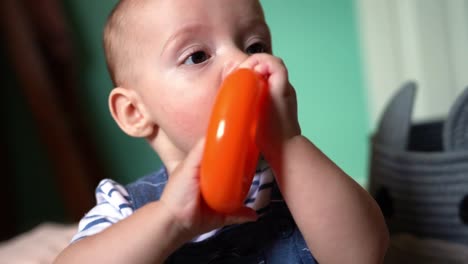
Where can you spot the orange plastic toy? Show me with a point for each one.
(230, 156)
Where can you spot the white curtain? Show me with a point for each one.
(425, 41)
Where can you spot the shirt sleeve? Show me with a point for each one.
(113, 205)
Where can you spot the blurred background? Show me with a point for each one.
(345, 58)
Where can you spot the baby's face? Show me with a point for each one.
(189, 46)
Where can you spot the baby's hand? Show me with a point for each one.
(182, 198)
(279, 120)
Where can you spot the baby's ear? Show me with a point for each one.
(129, 113)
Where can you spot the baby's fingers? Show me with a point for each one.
(272, 68)
(265, 64)
(182, 189)
(194, 157)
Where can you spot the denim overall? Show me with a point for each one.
(272, 239)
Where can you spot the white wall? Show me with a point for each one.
(421, 40)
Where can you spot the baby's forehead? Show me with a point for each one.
(170, 12)
(138, 25)
(155, 20)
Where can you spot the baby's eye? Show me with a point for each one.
(257, 47)
(196, 58)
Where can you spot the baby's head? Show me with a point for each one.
(167, 59)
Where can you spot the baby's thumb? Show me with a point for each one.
(243, 215)
(195, 155)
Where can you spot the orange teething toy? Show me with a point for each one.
(230, 156)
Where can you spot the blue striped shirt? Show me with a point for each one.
(114, 204)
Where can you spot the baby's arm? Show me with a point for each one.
(147, 236)
(157, 229)
(340, 221)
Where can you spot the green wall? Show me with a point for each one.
(316, 38)
(318, 41)
(126, 158)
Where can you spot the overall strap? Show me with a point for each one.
(147, 189)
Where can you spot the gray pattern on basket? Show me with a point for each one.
(419, 173)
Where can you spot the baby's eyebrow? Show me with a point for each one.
(257, 24)
(186, 29)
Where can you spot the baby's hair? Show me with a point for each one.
(119, 48)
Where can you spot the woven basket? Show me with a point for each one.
(419, 173)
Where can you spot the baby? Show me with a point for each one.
(167, 59)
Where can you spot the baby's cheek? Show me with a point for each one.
(188, 117)
(191, 126)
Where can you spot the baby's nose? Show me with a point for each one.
(233, 62)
